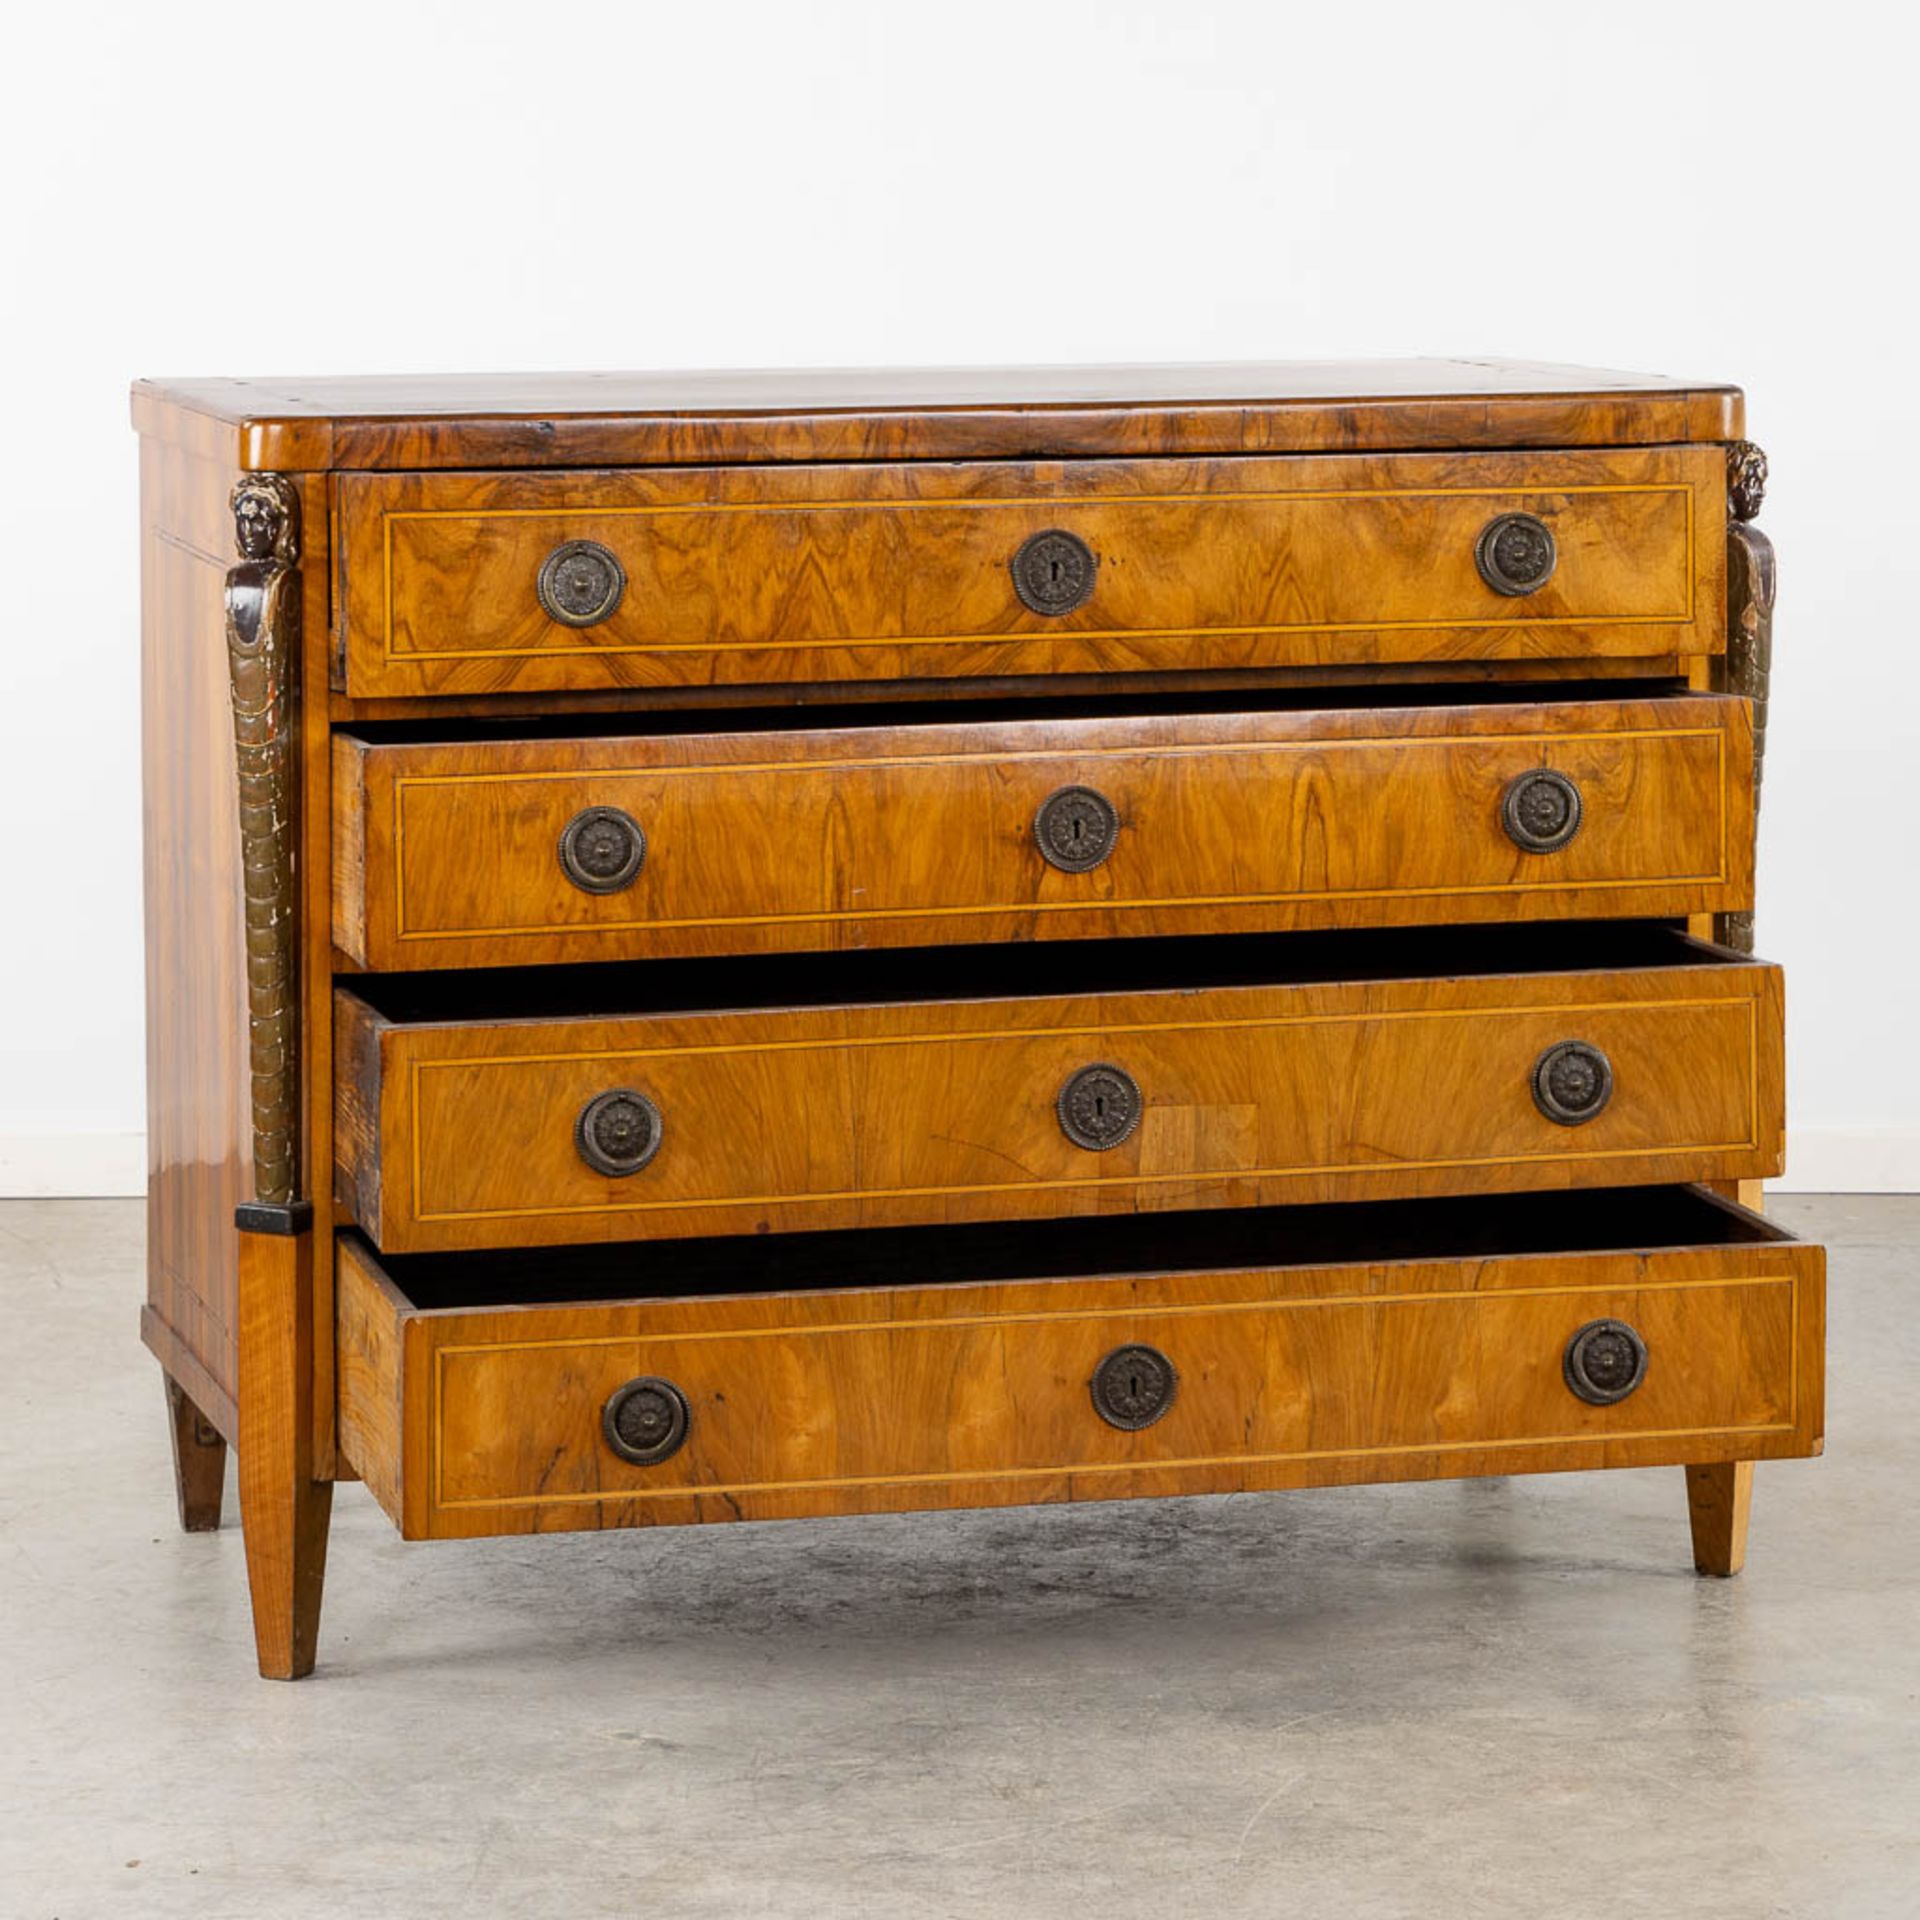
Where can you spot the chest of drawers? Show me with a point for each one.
(763, 946)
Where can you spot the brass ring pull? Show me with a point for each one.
(618, 1132)
(646, 1420)
(1541, 811)
(580, 583)
(1516, 554)
(602, 850)
(1604, 1362)
(1572, 1083)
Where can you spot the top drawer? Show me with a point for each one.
(473, 583)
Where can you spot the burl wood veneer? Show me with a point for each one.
(747, 946)
(449, 853)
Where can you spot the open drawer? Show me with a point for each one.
(474, 845)
(677, 1098)
(765, 1378)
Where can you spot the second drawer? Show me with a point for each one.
(1021, 1082)
(462, 852)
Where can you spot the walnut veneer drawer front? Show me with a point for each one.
(1262, 1362)
(533, 1130)
(511, 851)
(464, 583)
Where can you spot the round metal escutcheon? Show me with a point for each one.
(1053, 572)
(580, 583)
(1075, 829)
(1099, 1107)
(1572, 1082)
(1541, 811)
(602, 849)
(618, 1132)
(1515, 554)
(1133, 1386)
(646, 1420)
(1604, 1362)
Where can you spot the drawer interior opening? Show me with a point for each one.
(1037, 970)
(828, 714)
(1599, 1220)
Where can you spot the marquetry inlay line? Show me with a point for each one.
(1793, 1352)
(1041, 504)
(971, 756)
(1042, 509)
(1128, 1310)
(1526, 746)
(1196, 1177)
(835, 1043)
(641, 1495)
(1513, 624)
(1169, 901)
(1211, 1176)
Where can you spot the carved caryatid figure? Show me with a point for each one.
(263, 612)
(1750, 588)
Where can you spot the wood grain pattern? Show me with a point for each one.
(199, 1462)
(284, 1506)
(445, 855)
(963, 1395)
(755, 576)
(313, 873)
(368, 1367)
(791, 539)
(937, 413)
(199, 1136)
(1719, 1504)
(461, 1134)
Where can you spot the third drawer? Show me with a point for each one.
(531, 1107)
(463, 851)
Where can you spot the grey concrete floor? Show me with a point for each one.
(1496, 1698)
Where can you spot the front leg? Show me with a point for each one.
(284, 1510)
(1719, 1498)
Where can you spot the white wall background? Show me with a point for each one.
(1726, 192)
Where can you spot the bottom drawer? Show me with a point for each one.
(990, 1365)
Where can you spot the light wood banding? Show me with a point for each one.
(763, 575)
(445, 855)
(460, 1133)
(488, 1421)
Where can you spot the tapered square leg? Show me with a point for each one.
(1719, 1499)
(283, 1508)
(199, 1462)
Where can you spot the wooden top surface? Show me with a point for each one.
(694, 418)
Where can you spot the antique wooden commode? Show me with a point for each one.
(741, 946)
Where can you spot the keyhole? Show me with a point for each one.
(1079, 827)
(1053, 571)
(1099, 1106)
(1133, 1387)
